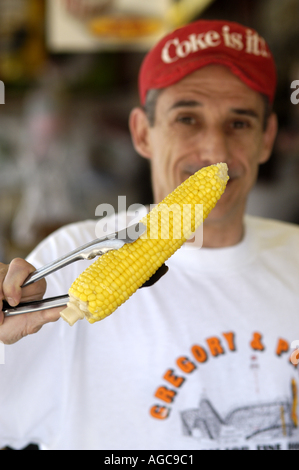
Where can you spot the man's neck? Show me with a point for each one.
(222, 233)
(222, 236)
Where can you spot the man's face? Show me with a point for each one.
(209, 117)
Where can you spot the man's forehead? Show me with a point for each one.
(213, 83)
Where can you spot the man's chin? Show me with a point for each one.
(217, 214)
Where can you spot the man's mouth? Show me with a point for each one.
(190, 171)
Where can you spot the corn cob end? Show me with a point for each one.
(71, 314)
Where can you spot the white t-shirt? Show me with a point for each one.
(201, 360)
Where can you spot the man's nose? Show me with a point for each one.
(213, 147)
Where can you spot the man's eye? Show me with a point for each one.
(187, 120)
(239, 124)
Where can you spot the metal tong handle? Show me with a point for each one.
(89, 251)
(35, 306)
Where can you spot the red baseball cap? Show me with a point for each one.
(203, 42)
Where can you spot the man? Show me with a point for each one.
(201, 360)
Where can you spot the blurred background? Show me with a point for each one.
(70, 71)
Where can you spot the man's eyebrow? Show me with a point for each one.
(193, 104)
(185, 104)
(246, 112)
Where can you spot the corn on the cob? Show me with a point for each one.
(116, 275)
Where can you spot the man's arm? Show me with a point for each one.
(12, 277)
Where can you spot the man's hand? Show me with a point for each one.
(12, 277)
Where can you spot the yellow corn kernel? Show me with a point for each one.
(115, 276)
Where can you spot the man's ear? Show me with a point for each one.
(139, 127)
(269, 138)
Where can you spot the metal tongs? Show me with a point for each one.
(89, 251)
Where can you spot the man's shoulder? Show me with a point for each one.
(78, 232)
(273, 233)
(264, 225)
(62, 241)
(88, 230)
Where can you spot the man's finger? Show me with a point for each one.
(17, 327)
(3, 272)
(16, 275)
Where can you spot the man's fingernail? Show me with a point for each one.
(12, 302)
